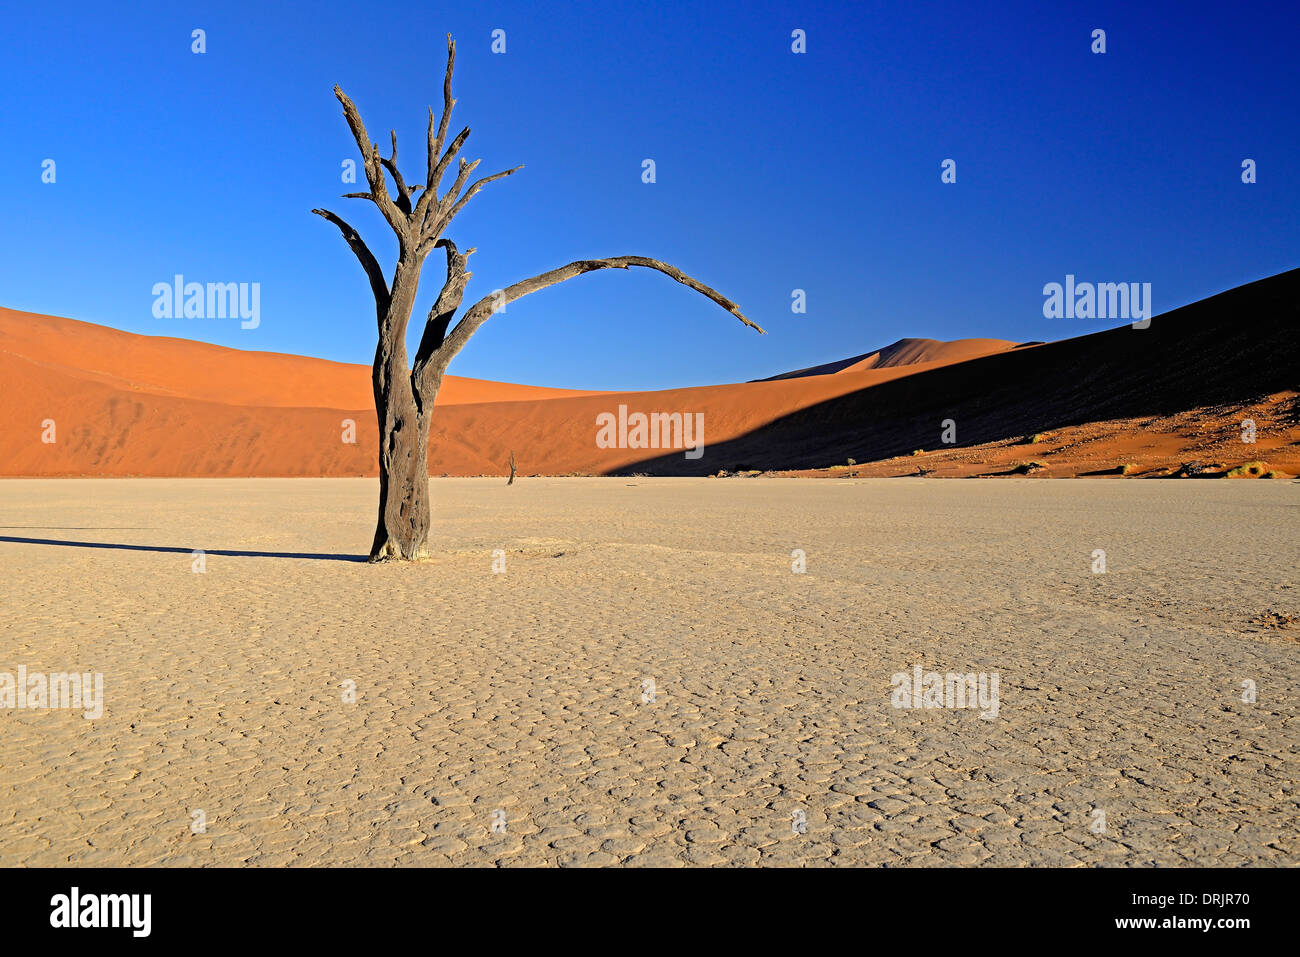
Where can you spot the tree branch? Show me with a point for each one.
(460, 204)
(440, 170)
(403, 191)
(436, 140)
(436, 161)
(440, 315)
(368, 262)
(374, 168)
(430, 209)
(462, 174)
(481, 311)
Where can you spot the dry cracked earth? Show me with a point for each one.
(520, 698)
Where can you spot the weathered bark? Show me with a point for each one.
(404, 511)
(402, 531)
(405, 395)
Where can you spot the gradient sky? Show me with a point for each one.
(775, 171)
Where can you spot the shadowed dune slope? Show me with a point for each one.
(1238, 348)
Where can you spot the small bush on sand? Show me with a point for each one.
(1024, 468)
(918, 451)
(1037, 437)
(1249, 470)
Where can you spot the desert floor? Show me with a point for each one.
(522, 692)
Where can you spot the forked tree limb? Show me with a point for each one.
(374, 168)
(445, 212)
(440, 170)
(441, 313)
(481, 311)
(378, 285)
(418, 222)
(462, 175)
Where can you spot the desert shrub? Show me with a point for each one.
(1024, 468)
(1248, 470)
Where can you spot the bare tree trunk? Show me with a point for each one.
(511, 480)
(402, 529)
(402, 532)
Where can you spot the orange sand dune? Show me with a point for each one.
(126, 405)
(160, 365)
(104, 428)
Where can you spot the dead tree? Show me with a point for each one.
(404, 391)
(511, 480)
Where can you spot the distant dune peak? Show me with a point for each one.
(905, 352)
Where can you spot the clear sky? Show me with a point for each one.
(775, 171)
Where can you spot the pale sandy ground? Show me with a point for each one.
(1120, 692)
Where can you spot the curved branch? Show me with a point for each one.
(368, 262)
(481, 311)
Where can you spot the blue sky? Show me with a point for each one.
(775, 170)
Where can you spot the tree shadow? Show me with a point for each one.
(84, 528)
(179, 550)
